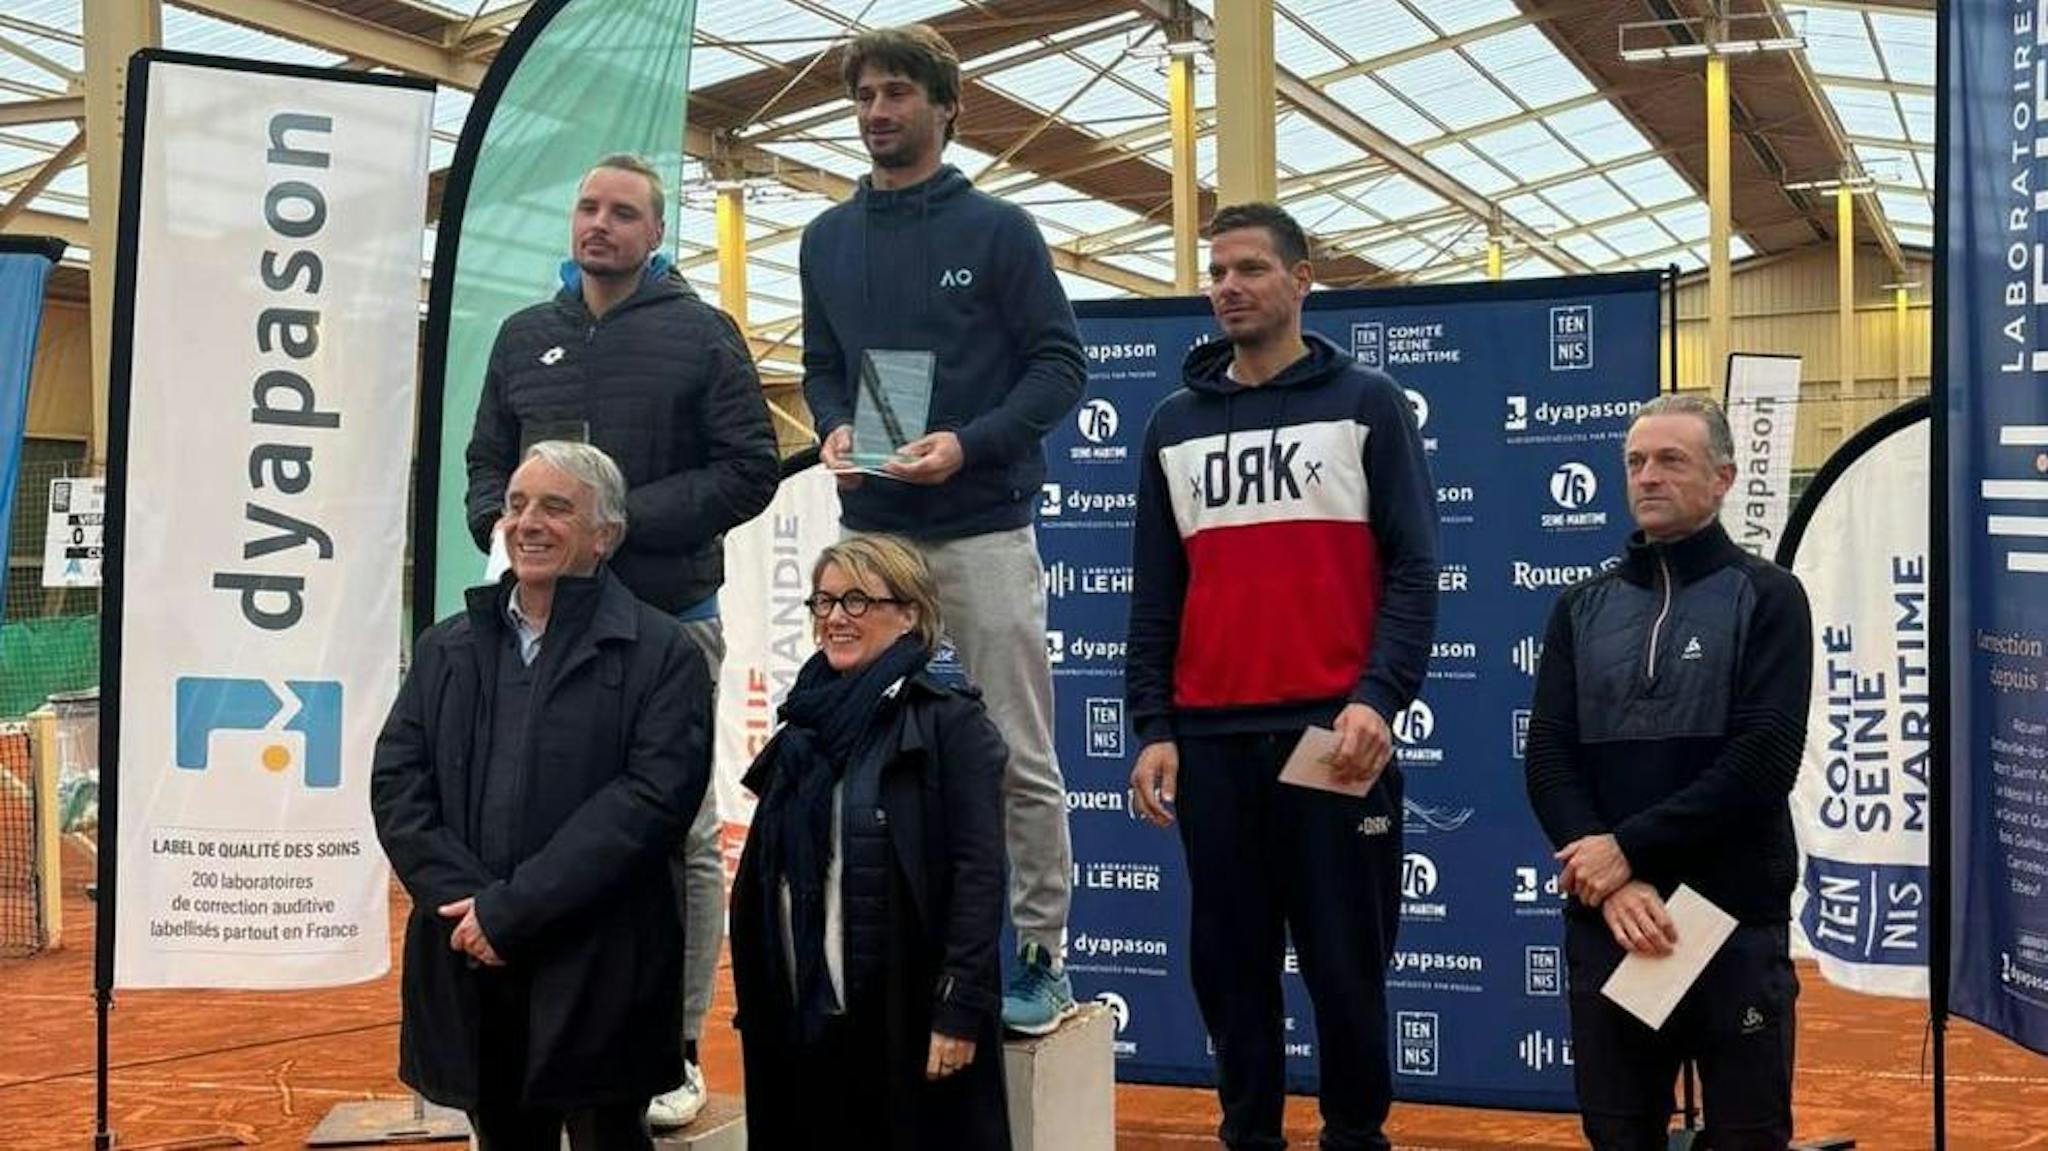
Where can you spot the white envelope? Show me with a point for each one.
(1308, 765)
(1649, 987)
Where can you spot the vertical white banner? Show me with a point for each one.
(276, 252)
(767, 631)
(1763, 412)
(1861, 808)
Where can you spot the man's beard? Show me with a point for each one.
(609, 272)
(905, 152)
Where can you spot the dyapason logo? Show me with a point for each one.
(206, 704)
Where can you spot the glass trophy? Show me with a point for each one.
(891, 402)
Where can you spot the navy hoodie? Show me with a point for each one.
(1284, 558)
(941, 267)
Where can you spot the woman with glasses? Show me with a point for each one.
(869, 899)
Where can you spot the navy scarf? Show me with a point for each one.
(828, 719)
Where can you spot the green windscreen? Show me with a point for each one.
(578, 80)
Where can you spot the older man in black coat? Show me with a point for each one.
(547, 747)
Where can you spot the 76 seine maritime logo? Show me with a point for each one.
(206, 704)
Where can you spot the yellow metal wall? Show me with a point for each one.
(60, 380)
(1787, 307)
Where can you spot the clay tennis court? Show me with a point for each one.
(198, 1069)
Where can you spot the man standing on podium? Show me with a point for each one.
(922, 268)
(1285, 581)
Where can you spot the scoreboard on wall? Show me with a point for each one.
(1523, 391)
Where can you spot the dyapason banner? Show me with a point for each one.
(25, 263)
(1524, 392)
(1762, 402)
(262, 419)
(1862, 807)
(1993, 425)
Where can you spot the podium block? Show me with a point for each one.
(1063, 1086)
(721, 1126)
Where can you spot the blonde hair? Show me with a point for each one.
(897, 565)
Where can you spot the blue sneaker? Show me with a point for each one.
(1037, 997)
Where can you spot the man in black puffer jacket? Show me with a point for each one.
(627, 358)
(1666, 734)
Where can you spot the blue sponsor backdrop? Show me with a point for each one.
(1523, 391)
(1996, 418)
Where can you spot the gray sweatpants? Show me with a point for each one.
(992, 595)
(697, 865)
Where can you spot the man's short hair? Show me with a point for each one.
(1720, 441)
(596, 471)
(1288, 239)
(914, 51)
(639, 166)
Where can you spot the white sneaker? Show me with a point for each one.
(673, 1109)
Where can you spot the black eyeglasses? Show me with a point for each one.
(855, 603)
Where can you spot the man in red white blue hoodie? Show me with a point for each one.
(1285, 578)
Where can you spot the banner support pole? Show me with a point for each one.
(102, 1136)
(1940, 619)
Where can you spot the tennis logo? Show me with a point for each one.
(206, 704)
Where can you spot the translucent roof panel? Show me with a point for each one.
(1876, 69)
(1454, 16)
(1918, 113)
(189, 31)
(1302, 145)
(1455, 92)
(1637, 237)
(1838, 44)
(1328, 215)
(1865, 112)
(1527, 64)
(1383, 110)
(1362, 28)
(1588, 199)
(1907, 42)
(1400, 198)
(1499, 110)
(1301, 38)
(1529, 151)
(1469, 168)
(1598, 132)
(1903, 210)
(1652, 182)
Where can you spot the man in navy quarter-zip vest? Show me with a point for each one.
(1665, 737)
(920, 263)
(627, 358)
(1280, 446)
